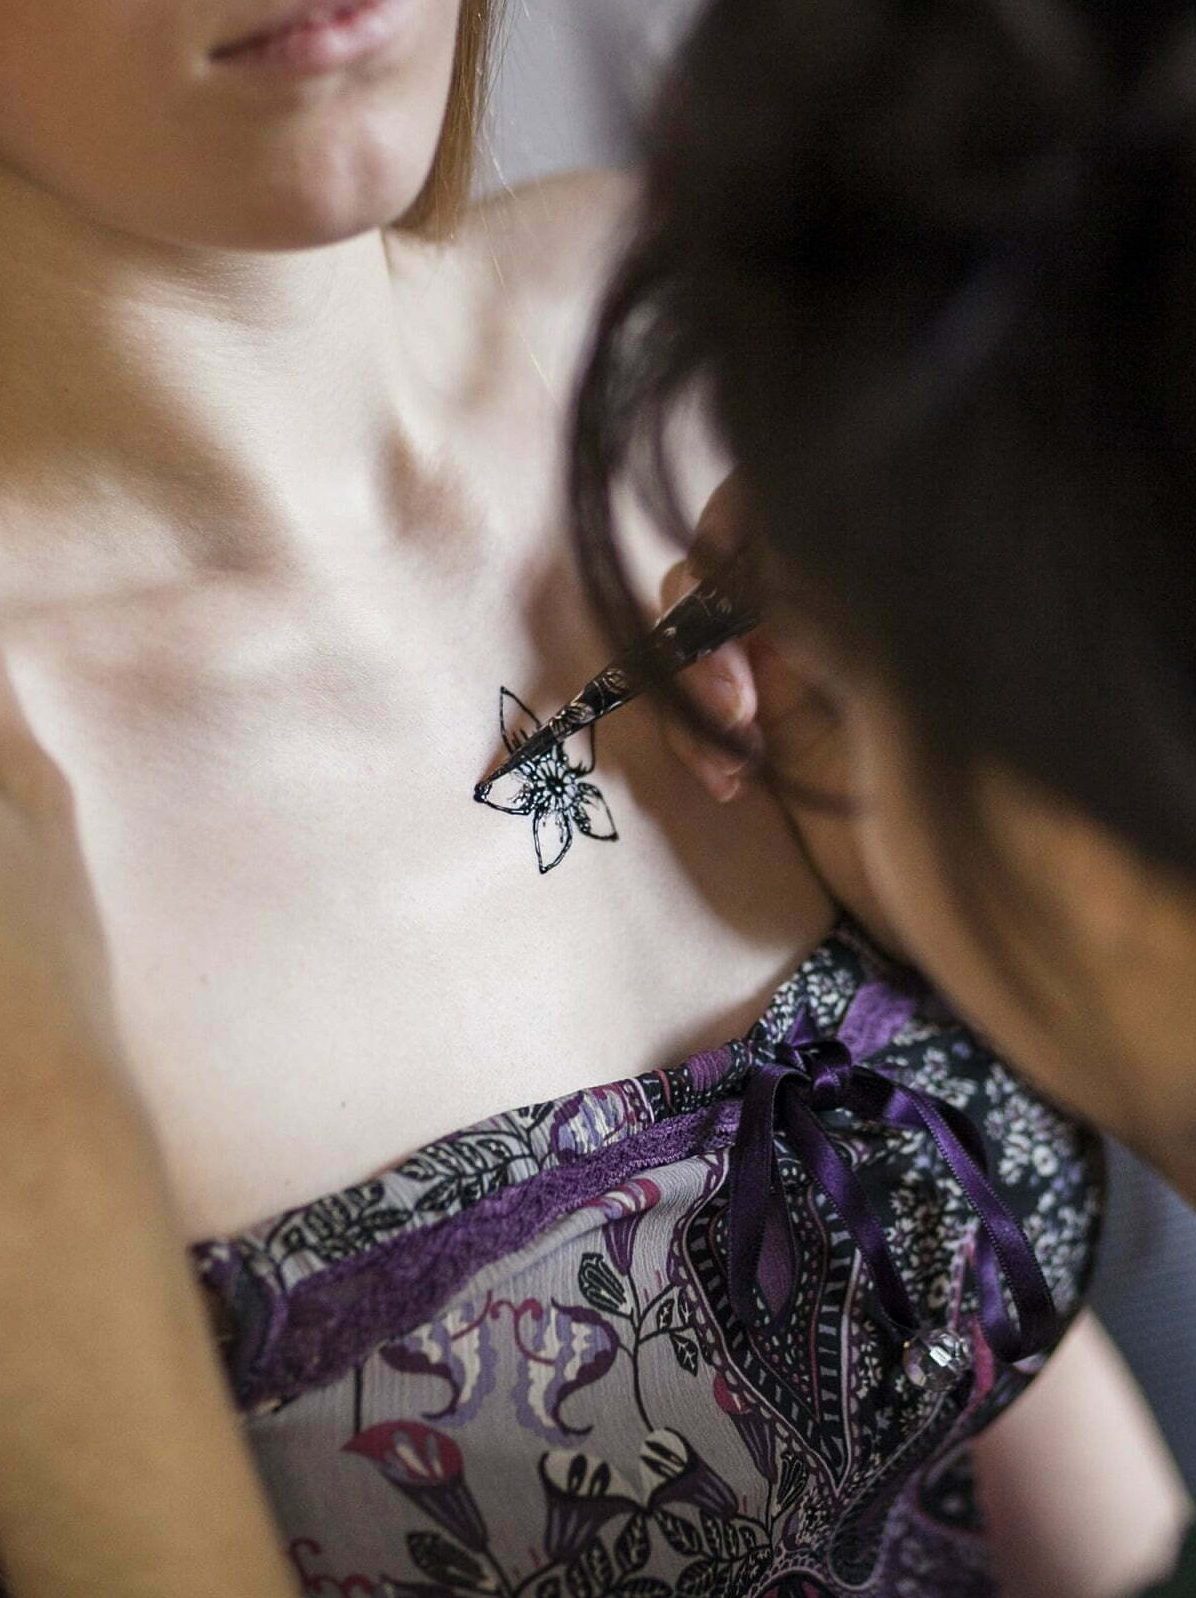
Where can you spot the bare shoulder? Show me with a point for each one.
(542, 256)
(544, 251)
(557, 236)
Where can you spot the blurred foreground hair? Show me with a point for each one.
(933, 266)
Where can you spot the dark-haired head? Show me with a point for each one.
(933, 267)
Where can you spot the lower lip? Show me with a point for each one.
(355, 32)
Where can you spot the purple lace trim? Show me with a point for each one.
(325, 1325)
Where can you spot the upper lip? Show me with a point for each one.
(296, 16)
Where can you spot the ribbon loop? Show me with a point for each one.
(827, 1064)
(809, 1076)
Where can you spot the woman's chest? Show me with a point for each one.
(325, 952)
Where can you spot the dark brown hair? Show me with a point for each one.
(933, 264)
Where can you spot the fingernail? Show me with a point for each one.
(725, 701)
(727, 789)
(721, 782)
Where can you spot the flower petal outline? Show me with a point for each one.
(554, 834)
(591, 814)
(516, 721)
(521, 796)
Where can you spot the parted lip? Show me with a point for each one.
(309, 15)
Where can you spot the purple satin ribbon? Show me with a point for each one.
(810, 1075)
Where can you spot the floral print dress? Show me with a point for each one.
(514, 1364)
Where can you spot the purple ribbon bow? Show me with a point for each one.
(810, 1075)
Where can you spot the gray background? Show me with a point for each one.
(572, 80)
(573, 76)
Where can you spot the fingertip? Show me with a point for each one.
(725, 688)
(677, 582)
(723, 787)
(718, 772)
(680, 743)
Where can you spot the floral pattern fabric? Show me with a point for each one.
(510, 1366)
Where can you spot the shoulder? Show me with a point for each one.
(545, 253)
(511, 297)
(554, 236)
(541, 256)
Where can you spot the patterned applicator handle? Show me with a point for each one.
(707, 618)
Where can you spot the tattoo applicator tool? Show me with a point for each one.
(704, 620)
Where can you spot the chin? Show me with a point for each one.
(321, 192)
(307, 179)
(287, 165)
(340, 181)
(295, 217)
(307, 221)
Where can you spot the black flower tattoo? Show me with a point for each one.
(551, 789)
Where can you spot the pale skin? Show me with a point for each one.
(261, 615)
(279, 512)
(256, 618)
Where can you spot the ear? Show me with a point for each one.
(516, 720)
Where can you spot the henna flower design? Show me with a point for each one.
(550, 789)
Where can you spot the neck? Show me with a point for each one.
(241, 410)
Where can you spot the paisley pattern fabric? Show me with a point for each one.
(510, 1365)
